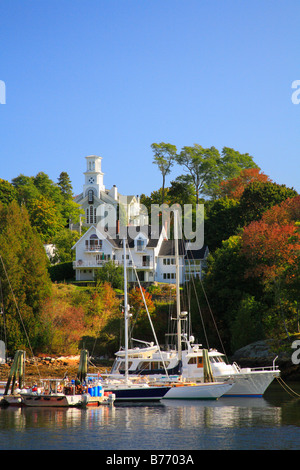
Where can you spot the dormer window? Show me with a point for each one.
(140, 244)
(93, 243)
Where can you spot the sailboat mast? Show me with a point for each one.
(125, 310)
(177, 286)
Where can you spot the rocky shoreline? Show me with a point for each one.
(264, 354)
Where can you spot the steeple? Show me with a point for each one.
(93, 176)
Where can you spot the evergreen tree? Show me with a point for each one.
(24, 277)
(65, 185)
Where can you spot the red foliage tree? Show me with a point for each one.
(234, 187)
(272, 245)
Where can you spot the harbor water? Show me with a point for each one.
(268, 423)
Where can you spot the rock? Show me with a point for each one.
(258, 350)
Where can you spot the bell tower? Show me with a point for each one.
(93, 176)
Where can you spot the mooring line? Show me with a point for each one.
(287, 388)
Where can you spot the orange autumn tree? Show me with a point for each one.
(288, 212)
(103, 305)
(272, 245)
(63, 321)
(138, 310)
(234, 187)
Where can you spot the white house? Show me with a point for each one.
(150, 255)
(99, 203)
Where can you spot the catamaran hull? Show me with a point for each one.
(211, 391)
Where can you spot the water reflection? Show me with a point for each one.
(21, 418)
(170, 414)
(223, 424)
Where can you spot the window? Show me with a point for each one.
(102, 258)
(146, 261)
(140, 244)
(152, 365)
(169, 276)
(91, 196)
(93, 243)
(196, 360)
(122, 366)
(91, 215)
(168, 261)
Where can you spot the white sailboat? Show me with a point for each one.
(180, 388)
(133, 389)
(152, 362)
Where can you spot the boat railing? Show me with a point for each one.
(263, 369)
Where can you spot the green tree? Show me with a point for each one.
(7, 192)
(222, 220)
(112, 274)
(26, 189)
(164, 156)
(247, 326)
(64, 240)
(208, 168)
(202, 164)
(225, 285)
(260, 196)
(24, 277)
(47, 187)
(46, 218)
(182, 191)
(51, 206)
(65, 185)
(233, 162)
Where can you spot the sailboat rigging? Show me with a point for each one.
(178, 389)
(126, 389)
(147, 362)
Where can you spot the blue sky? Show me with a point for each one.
(110, 77)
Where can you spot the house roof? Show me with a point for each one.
(151, 233)
(168, 249)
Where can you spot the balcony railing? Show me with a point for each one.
(101, 262)
(93, 247)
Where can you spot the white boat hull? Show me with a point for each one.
(11, 400)
(247, 382)
(252, 384)
(209, 391)
(54, 400)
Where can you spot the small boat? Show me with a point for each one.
(84, 391)
(53, 393)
